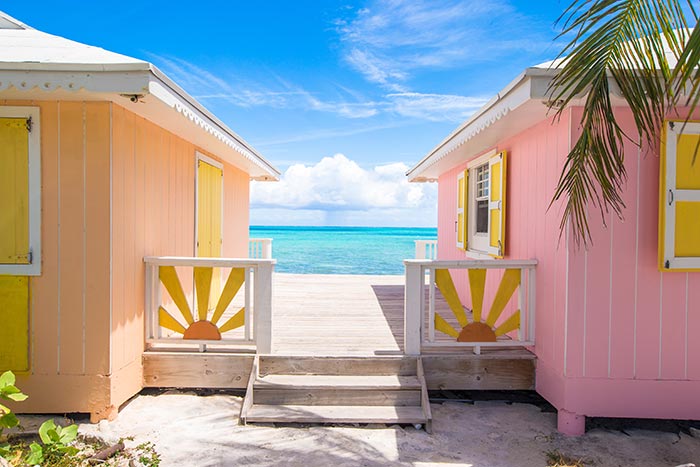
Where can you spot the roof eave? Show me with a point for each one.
(529, 85)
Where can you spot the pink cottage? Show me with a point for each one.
(615, 327)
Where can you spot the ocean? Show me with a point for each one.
(342, 250)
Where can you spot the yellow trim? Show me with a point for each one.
(168, 276)
(509, 282)
(499, 236)
(14, 191)
(445, 327)
(443, 280)
(14, 323)
(235, 280)
(167, 321)
(236, 321)
(511, 324)
(663, 189)
(477, 285)
(202, 283)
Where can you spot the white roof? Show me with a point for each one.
(33, 62)
(518, 106)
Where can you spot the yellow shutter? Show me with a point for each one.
(14, 191)
(461, 224)
(679, 199)
(14, 323)
(497, 205)
(209, 205)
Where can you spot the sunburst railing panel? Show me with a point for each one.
(491, 305)
(209, 301)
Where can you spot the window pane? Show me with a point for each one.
(482, 216)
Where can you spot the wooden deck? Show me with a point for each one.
(337, 314)
(342, 315)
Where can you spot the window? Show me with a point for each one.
(679, 199)
(20, 191)
(481, 206)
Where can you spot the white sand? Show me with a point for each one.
(190, 430)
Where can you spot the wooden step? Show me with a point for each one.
(334, 414)
(361, 366)
(330, 382)
(400, 398)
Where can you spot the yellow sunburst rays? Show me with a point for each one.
(478, 330)
(202, 328)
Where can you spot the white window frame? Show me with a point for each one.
(672, 195)
(204, 158)
(478, 243)
(34, 148)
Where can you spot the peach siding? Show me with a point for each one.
(613, 333)
(153, 202)
(87, 330)
(69, 308)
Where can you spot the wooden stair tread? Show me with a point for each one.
(334, 414)
(371, 382)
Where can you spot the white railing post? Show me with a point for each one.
(413, 307)
(266, 248)
(426, 249)
(263, 308)
(260, 248)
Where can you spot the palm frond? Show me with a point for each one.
(617, 45)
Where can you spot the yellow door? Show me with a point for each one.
(209, 207)
(14, 243)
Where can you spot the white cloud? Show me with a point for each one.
(388, 40)
(437, 107)
(338, 191)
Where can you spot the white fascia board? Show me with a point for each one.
(122, 82)
(531, 85)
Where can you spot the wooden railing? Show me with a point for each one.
(439, 306)
(209, 301)
(260, 248)
(426, 249)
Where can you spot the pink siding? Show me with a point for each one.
(534, 160)
(609, 324)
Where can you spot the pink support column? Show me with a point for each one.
(570, 424)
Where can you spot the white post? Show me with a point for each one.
(531, 303)
(431, 305)
(263, 307)
(267, 248)
(420, 249)
(413, 294)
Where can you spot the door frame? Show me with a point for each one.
(213, 162)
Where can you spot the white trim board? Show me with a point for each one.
(34, 267)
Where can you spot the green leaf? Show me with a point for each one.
(17, 397)
(44, 429)
(6, 379)
(69, 450)
(68, 434)
(4, 409)
(4, 450)
(36, 455)
(9, 420)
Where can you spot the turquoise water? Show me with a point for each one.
(342, 250)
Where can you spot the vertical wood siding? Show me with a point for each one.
(633, 322)
(70, 300)
(535, 158)
(153, 202)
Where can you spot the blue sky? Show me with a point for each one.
(342, 96)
